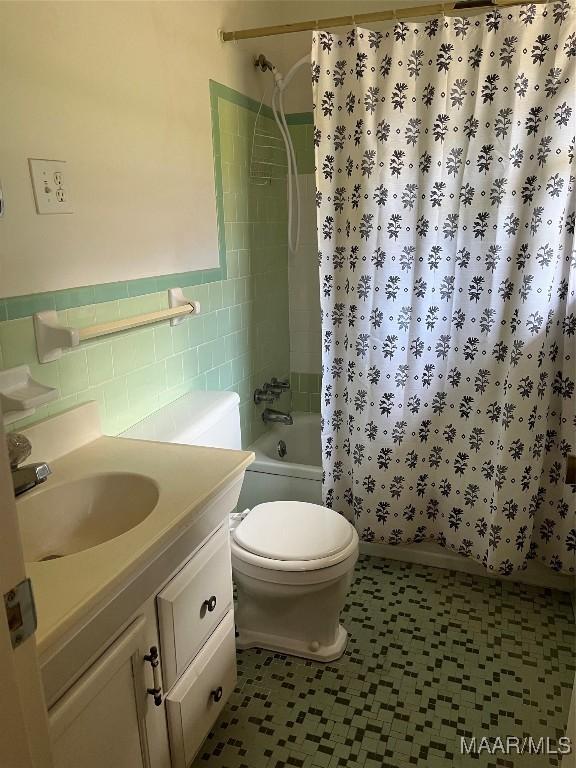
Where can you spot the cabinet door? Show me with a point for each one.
(100, 720)
(199, 696)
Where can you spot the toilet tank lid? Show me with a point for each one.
(293, 530)
(184, 420)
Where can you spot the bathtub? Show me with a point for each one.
(296, 476)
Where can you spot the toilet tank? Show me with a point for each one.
(211, 419)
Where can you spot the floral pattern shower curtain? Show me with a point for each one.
(445, 195)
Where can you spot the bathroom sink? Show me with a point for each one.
(59, 520)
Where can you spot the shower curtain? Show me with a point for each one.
(445, 208)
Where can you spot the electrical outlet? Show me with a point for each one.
(51, 186)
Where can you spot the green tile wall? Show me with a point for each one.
(302, 134)
(239, 340)
(306, 389)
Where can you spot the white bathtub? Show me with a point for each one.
(297, 476)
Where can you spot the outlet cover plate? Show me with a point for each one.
(51, 186)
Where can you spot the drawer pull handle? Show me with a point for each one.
(156, 692)
(210, 604)
(217, 694)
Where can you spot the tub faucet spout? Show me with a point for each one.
(270, 416)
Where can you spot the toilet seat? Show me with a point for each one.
(269, 543)
(293, 531)
(294, 572)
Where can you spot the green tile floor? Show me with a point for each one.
(433, 655)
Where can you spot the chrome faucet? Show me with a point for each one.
(263, 396)
(271, 390)
(281, 384)
(30, 475)
(270, 416)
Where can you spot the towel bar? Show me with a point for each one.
(52, 337)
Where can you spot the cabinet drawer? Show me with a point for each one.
(193, 603)
(197, 699)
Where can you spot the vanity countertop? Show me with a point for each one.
(68, 590)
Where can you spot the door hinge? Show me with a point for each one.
(20, 612)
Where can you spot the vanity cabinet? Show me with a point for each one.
(101, 720)
(108, 717)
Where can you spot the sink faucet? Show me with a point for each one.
(270, 416)
(30, 475)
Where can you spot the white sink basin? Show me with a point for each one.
(59, 520)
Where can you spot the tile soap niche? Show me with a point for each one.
(20, 394)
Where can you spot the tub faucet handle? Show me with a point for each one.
(280, 383)
(262, 396)
(273, 388)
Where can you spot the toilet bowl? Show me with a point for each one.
(292, 563)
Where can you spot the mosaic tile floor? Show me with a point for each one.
(433, 655)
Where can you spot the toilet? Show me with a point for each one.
(292, 561)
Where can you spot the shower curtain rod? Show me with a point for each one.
(367, 18)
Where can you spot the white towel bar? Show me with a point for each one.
(52, 337)
(115, 326)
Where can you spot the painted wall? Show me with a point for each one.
(120, 91)
(238, 342)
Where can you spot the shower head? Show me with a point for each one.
(263, 63)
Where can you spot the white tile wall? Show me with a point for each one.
(304, 288)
